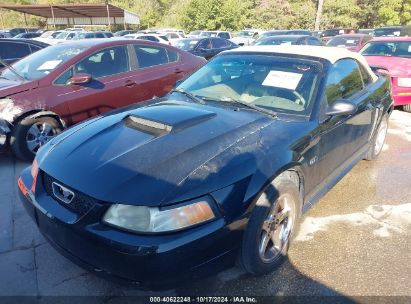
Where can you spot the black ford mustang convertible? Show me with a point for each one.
(217, 171)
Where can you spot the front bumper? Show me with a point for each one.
(148, 261)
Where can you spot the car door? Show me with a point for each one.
(204, 49)
(344, 137)
(158, 70)
(111, 85)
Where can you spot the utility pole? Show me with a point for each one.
(318, 15)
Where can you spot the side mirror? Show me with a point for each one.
(341, 107)
(79, 79)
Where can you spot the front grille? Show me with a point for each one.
(81, 202)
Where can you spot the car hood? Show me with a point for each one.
(397, 67)
(157, 154)
(10, 87)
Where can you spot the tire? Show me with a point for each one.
(22, 141)
(378, 140)
(253, 258)
(407, 108)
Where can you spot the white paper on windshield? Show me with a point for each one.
(49, 65)
(193, 42)
(286, 43)
(280, 79)
(397, 33)
(409, 49)
(350, 41)
(341, 31)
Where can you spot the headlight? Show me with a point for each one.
(404, 82)
(149, 219)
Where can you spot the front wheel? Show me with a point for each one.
(30, 134)
(378, 141)
(271, 227)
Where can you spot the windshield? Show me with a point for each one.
(274, 33)
(276, 41)
(387, 32)
(388, 48)
(41, 63)
(344, 41)
(273, 83)
(62, 35)
(186, 44)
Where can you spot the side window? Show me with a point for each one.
(108, 35)
(64, 77)
(172, 56)
(11, 50)
(366, 77)
(148, 56)
(204, 44)
(107, 62)
(99, 35)
(218, 43)
(34, 48)
(313, 41)
(71, 36)
(343, 80)
(224, 35)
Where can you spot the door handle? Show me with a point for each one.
(178, 71)
(130, 84)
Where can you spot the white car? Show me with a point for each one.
(151, 37)
(172, 36)
(47, 36)
(246, 37)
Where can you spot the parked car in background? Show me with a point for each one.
(46, 37)
(124, 32)
(5, 34)
(70, 82)
(28, 35)
(389, 31)
(284, 32)
(92, 35)
(316, 33)
(352, 42)
(246, 37)
(205, 47)
(13, 49)
(394, 55)
(194, 34)
(218, 171)
(366, 31)
(151, 37)
(328, 34)
(290, 40)
(172, 36)
(220, 34)
(15, 31)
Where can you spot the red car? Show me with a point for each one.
(352, 42)
(67, 83)
(394, 55)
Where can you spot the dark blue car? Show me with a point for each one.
(206, 47)
(218, 170)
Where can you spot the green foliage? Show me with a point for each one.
(235, 15)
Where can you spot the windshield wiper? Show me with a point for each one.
(11, 69)
(248, 105)
(189, 95)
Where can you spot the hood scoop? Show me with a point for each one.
(147, 126)
(165, 118)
